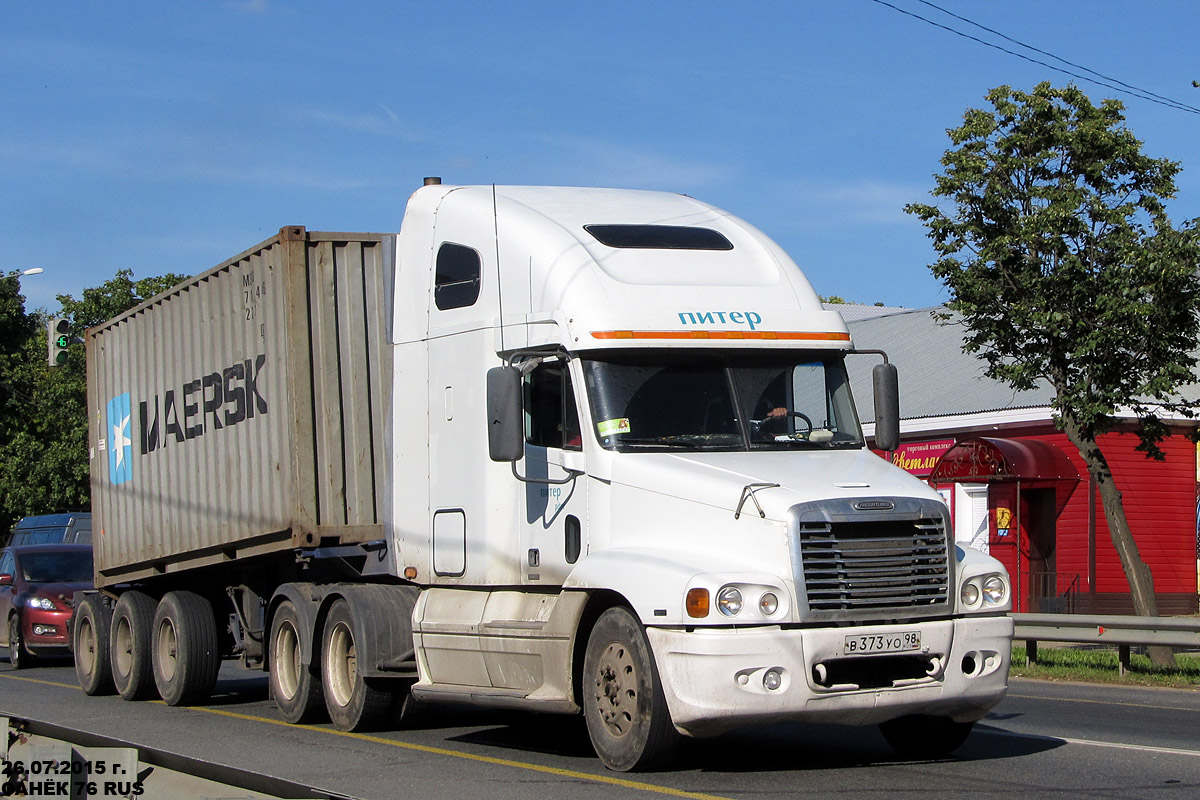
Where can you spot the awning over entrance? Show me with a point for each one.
(986, 460)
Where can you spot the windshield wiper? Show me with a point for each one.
(681, 444)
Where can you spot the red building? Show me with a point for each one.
(1017, 488)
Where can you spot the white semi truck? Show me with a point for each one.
(560, 449)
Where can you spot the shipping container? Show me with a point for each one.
(242, 412)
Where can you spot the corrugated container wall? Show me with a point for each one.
(242, 412)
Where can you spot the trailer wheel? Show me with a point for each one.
(294, 686)
(920, 736)
(129, 645)
(184, 648)
(93, 666)
(623, 701)
(354, 704)
(18, 655)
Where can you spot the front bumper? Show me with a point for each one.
(45, 631)
(716, 679)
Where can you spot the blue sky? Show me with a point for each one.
(167, 137)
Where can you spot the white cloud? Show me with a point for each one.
(383, 122)
(824, 204)
(603, 163)
(249, 6)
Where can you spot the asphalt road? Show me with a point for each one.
(1067, 740)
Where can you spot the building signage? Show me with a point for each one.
(919, 458)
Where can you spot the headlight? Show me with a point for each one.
(995, 590)
(969, 594)
(44, 603)
(729, 601)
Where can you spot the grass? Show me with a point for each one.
(1099, 665)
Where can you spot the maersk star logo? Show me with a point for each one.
(120, 450)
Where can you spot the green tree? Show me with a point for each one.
(19, 376)
(44, 463)
(1064, 266)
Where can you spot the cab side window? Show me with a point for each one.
(456, 276)
(551, 419)
(7, 565)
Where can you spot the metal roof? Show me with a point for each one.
(937, 379)
(852, 312)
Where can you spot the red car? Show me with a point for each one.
(37, 588)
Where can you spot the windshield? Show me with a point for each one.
(720, 400)
(57, 567)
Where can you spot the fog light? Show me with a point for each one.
(45, 630)
(772, 680)
(768, 604)
(729, 601)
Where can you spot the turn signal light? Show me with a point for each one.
(697, 603)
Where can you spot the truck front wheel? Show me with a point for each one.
(354, 704)
(129, 644)
(93, 665)
(623, 701)
(920, 736)
(184, 648)
(294, 686)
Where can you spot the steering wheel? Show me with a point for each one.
(758, 425)
(807, 422)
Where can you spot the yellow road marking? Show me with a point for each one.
(610, 780)
(37, 680)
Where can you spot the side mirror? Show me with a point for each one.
(887, 406)
(506, 434)
(6, 580)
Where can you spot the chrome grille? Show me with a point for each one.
(875, 565)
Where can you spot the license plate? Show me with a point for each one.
(866, 644)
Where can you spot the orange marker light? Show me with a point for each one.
(697, 603)
(802, 336)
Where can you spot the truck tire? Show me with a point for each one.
(184, 649)
(623, 701)
(129, 645)
(295, 687)
(353, 703)
(18, 655)
(93, 666)
(920, 736)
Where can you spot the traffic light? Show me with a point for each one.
(58, 336)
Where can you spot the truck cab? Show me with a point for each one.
(662, 476)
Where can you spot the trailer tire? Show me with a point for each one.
(184, 648)
(623, 701)
(93, 664)
(296, 688)
(921, 736)
(354, 703)
(129, 645)
(18, 654)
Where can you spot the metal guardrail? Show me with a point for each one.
(1119, 631)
